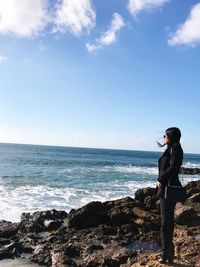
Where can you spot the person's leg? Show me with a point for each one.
(163, 208)
(167, 227)
(171, 206)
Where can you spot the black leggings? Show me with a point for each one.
(167, 223)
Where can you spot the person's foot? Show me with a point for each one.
(166, 257)
(170, 261)
(163, 257)
(171, 254)
(162, 260)
(165, 260)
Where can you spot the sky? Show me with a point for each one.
(98, 73)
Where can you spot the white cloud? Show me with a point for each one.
(110, 36)
(189, 32)
(92, 47)
(75, 16)
(137, 6)
(24, 18)
(3, 59)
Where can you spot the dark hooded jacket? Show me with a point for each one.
(169, 165)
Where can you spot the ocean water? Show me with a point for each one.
(47, 177)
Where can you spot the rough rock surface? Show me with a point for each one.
(190, 171)
(184, 213)
(119, 233)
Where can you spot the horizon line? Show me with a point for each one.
(103, 148)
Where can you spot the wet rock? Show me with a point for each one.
(128, 229)
(144, 227)
(93, 247)
(118, 217)
(109, 262)
(120, 211)
(4, 241)
(192, 191)
(8, 229)
(146, 221)
(52, 225)
(150, 202)
(35, 222)
(191, 171)
(127, 203)
(147, 216)
(42, 255)
(194, 198)
(9, 251)
(59, 258)
(105, 230)
(72, 250)
(123, 255)
(118, 258)
(28, 242)
(93, 263)
(92, 214)
(140, 194)
(193, 184)
(183, 213)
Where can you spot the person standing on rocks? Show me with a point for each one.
(169, 166)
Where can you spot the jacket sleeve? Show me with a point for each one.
(175, 163)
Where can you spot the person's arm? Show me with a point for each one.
(173, 167)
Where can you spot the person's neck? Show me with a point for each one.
(171, 144)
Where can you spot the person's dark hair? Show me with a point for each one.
(174, 134)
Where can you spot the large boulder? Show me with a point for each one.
(142, 193)
(150, 202)
(90, 215)
(146, 219)
(42, 221)
(193, 190)
(193, 184)
(195, 198)
(127, 202)
(121, 211)
(9, 251)
(146, 215)
(191, 171)
(118, 217)
(183, 213)
(8, 229)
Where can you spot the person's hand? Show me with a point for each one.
(158, 184)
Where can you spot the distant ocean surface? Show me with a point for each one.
(47, 177)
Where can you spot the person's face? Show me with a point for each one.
(166, 140)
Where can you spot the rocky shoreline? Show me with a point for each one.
(190, 171)
(123, 232)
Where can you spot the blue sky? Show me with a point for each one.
(110, 74)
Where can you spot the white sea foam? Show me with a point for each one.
(191, 165)
(134, 169)
(140, 184)
(14, 201)
(122, 169)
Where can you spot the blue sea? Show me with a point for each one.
(36, 177)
